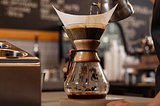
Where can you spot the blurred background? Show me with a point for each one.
(126, 50)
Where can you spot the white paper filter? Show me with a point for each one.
(88, 19)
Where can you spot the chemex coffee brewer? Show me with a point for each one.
(85, 78)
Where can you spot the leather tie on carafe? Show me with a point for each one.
(71, 59)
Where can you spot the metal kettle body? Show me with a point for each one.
(123, 10)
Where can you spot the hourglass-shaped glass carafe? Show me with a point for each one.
(86, 78)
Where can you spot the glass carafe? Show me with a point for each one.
(86, 79)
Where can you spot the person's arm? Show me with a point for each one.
(120, 103)
(155, 101)
(152, 1)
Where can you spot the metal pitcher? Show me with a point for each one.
(123, 10)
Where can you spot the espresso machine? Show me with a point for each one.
(85, 82)
(20, 77)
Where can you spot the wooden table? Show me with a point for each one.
(52, 99)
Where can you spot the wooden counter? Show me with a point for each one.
(52, 99)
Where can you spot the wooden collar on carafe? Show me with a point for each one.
(86, 50)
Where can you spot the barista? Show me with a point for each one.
(156, 38)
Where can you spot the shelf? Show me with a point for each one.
(146, 84)
(28, 34)
(142, 66)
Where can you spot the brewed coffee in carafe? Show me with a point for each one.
(85, 76)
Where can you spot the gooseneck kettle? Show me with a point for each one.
(123, 10)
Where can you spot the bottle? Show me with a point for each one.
(36, 47)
